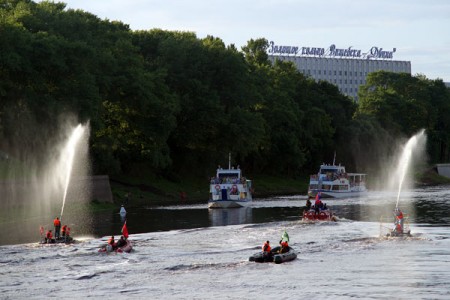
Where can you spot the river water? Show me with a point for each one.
(190, 252)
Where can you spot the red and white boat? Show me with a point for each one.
(323, 215)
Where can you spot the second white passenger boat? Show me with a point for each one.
(334, 182)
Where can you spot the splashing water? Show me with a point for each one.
(405, 160)
(68, 156)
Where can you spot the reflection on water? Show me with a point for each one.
(230, 216)
(424, 206)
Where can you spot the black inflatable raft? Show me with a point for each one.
(276, 257)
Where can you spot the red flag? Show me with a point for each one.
(125, 230)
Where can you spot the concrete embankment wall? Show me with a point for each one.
(443, 170)
(101, 189)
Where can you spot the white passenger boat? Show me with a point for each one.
(334, 182)
(228, 189)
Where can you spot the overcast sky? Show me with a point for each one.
(418, 29)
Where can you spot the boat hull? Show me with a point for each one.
(228, 203)
(60, 240)
(394, 233)
(276, 257)
(312, 216)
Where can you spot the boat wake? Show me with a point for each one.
(201, 266)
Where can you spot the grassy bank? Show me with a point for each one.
(430, 177)
(153, 191)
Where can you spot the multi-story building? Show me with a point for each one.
(346, 68)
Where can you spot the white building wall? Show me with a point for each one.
(346, 73)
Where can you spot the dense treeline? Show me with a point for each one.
(170, 103)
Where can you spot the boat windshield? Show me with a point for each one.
(228, 175)
(328, 170)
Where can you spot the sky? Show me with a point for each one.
(418, 29)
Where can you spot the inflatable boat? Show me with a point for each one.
(60, 240)
(126, 248)
(276, 257)
(323, 215)
(395, 233)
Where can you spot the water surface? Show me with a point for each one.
(190, 252)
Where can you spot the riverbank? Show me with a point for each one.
(159, 192)
(154, 191)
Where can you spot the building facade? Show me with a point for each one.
(346, 68)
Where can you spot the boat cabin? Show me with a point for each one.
(227, 176)
(329, 172)
(334, 178)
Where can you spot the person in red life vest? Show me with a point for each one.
(308, 204)
(68, 232)
(284, 246)
(121, 242)
(112, 243)
(318, 203)
(266, 247)
(267, 250)
(63, 231)
(49, 237)
(398, 220)
(57, 224)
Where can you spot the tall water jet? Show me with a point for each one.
(68, 156)
(41, 176)
(405, 160)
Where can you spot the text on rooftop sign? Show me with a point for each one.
(332, 51)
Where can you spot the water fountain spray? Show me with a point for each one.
(405, 159)
(68, 155)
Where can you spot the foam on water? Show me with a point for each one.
(336, 260)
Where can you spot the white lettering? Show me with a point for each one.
(332, 51)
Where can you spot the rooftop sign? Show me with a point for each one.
(332, 51)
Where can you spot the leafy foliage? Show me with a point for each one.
(171, 103)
